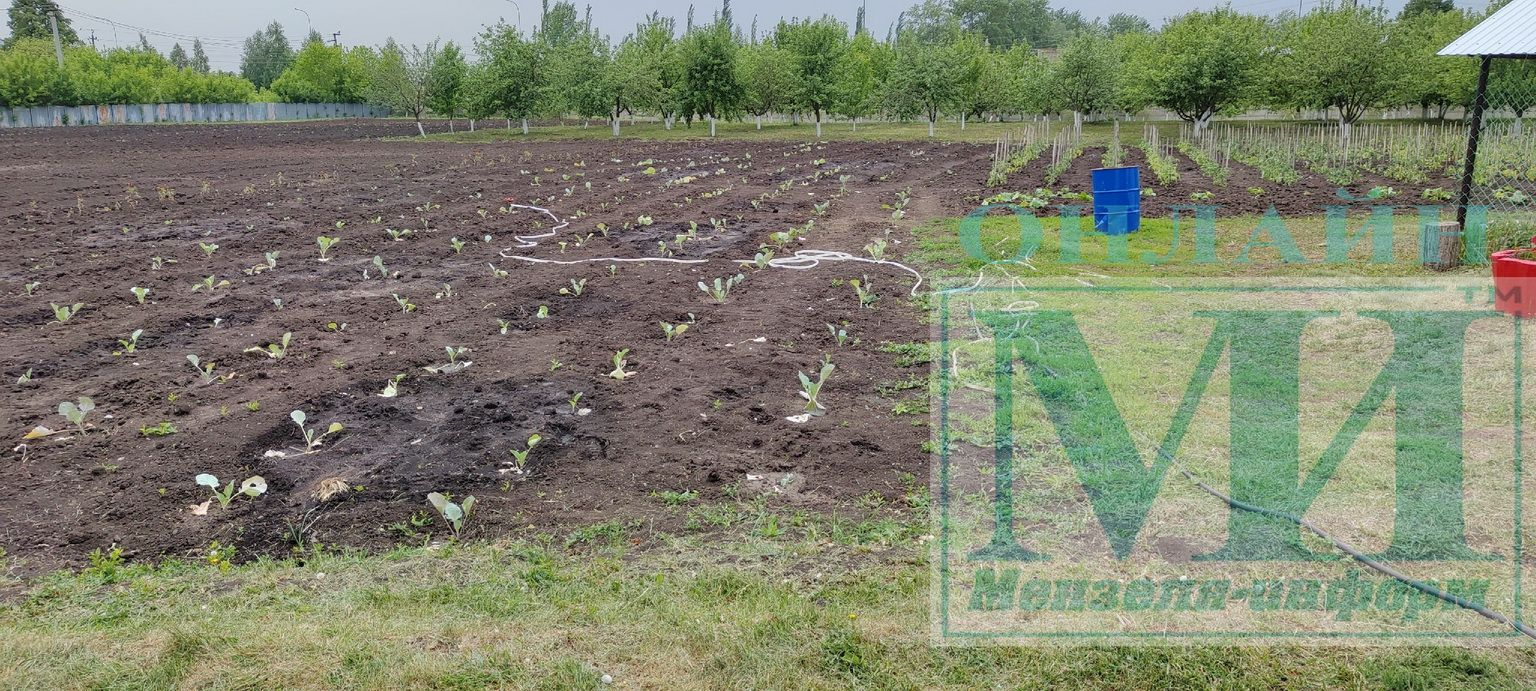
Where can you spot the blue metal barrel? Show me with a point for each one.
(1117, 200)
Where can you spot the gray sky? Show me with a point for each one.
(412, 21)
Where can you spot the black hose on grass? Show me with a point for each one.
(1358, 555)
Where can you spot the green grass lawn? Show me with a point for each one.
(810, 608)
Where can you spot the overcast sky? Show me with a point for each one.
(222, 30)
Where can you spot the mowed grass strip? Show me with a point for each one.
(737, 611)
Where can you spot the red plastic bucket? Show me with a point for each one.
(1514, 281)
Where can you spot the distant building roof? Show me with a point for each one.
(1510, 32)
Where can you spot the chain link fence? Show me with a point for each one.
(1504, 179)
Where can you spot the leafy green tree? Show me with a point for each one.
(932, 22)
(975, 93)
(1204, 63)
(267, 55)
(578, 71)
(29, 75)
(1125, 23)
(401, 79)
(1009, 23)
(710, 86)
(767, 73)
(199, 62)
(326, 74)
(1084, 77)
(1338, 57)
(923, 79)
(446, 94)
(656, 55)
(1415, 8)
(864, 68)
(179, 57)
(1426, 78)
(29, 19)
(1512, 85)
(511, 81)
(816, 49)
(560, 25)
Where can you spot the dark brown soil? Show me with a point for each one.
(85, 218)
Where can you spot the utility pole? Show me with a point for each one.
(58, 48)
(336, 39)
(93, 39)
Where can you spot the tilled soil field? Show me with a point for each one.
(92, 213)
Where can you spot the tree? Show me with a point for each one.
(1512, 85)
(29, 75)
(510, 81)
(1338, 57)
(199, 62)
(767, 73)
(446, 94)
(326, 74)
(401, 79)
(267, 55)
(1124, 23)
(816, 49)
(578, 72)
(1204, 63)
(29, 19)
(1084, 77)
(655, 54)
(710, 86)
(1415, 8)
(1008, 23)
(975, 93)
(179, 57)
(1425, 77)
(859, 77)
(922, 81)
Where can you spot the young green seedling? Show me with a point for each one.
(722, 287)
(457, 244)
(876, 249)
(618, 366)
(503, 326)
(839, 335)
(130, 345)
(208, 248)
(63, 313)
(271, 258)
(811, 391)
(521, 457)
(31, 288)
(139, 293)
(392, 388)
(26, 377)
(405, 304)
(397, 235)
(326, 243)
(866, 294)
(455, 514)
(672, 331)
(276, 351)
(204, 369)
(378, 265)
(497, 273)
(253, 486)
(312, 438)
(208, 284)
(76, 412)
(576, 289)
(454, 353)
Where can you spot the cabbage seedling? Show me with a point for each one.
(811, 391)
(454, 353)
(839, 335)
(392, 388)
(131, 343)
(276, 351)
(208, 248)
(204, 370)
(26, 377)
(76, 412)
(378, 263)
(458, 245)
(253, 486)
(876, 249)
(312, 438)
(672, 331)
(63, 313)
(618, 366)
(503, 325)
(521, 457)
(31, 288)
(139, 293)
(326, 243)
(543, 312)
(405, 304)
(577, 288)
(397, 235)
(271, 258)
(208, 284)
(455, 514)
(722, 287)
(497, 273)
(866, 294)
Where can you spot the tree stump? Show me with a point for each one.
(1440, 246)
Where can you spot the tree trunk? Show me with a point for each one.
(450, 125)
(930, 127)
(1077, 122)
(818, 125)
(1519, 127)
(759, 121)
(711, 126)
(471, 124)
(509, 123)
(667, 120)
(525, 125)
(855, 124)
(420, 129)
(615, 124)
(962, 122)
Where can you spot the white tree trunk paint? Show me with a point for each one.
(525, 125)
(711, 125)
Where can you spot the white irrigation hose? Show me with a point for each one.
(800, 261)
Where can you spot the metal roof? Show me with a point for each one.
(1509, 32)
